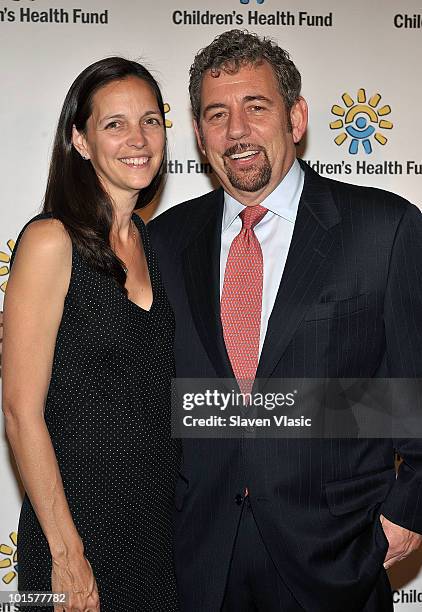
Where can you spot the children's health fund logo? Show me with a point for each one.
(8, 559)
(5, 257)
(361, 122)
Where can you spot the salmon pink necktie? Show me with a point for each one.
(241, 299)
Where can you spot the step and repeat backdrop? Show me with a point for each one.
(360, 64)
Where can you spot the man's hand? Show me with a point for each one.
(401, 542)
(1, 331)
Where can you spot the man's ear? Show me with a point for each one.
(198, 135)
(299, 119)
(79, 142)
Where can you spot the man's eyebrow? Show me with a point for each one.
(250, 98)
(213, 106)
(258, 97)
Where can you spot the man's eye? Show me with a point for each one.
(112, 125)
(217, 116)
(257, 108)
(152, 121)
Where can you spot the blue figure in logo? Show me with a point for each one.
(247, 1)
(360, 132)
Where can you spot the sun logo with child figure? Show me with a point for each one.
(5, 263)
(362, 121)
(167, 109)
(8, 559)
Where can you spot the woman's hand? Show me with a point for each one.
(76, 578)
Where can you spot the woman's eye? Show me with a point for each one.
(112, 125)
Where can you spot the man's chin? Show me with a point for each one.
(250, 184)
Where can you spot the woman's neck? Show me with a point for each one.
(122, 213)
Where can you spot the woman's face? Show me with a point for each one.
(124, 137)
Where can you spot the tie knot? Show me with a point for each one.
(252, 215)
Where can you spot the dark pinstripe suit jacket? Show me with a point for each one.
(349, 305)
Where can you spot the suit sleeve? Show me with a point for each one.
(403, 332)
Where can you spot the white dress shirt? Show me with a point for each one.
(274, 233)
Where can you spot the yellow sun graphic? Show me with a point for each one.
(356, 119)
(167, 109)
(10, 561)
(5, 259)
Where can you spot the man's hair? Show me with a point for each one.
(236, 48)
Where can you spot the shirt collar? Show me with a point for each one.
(282, 201)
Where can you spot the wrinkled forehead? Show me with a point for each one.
(243, 79)
(232, 66)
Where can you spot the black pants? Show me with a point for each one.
(254, 584)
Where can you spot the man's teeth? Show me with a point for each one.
(134, 161)
(243, 155)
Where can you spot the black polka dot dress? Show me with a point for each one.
(108, 414)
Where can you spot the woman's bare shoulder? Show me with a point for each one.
(44, 245)
(47, 237)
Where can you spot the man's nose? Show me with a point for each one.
(238, 125)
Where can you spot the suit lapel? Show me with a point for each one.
(304, 270)
(201, 268)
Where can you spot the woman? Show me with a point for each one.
(88, 358)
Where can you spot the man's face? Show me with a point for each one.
(245, 133)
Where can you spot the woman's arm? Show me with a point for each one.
(33, 309)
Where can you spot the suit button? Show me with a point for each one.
(238, 499)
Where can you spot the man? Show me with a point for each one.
(281, 273)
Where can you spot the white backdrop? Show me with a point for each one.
(368, 50)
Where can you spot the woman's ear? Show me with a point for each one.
(79, 142)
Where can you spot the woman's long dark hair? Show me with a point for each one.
(74, 194)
